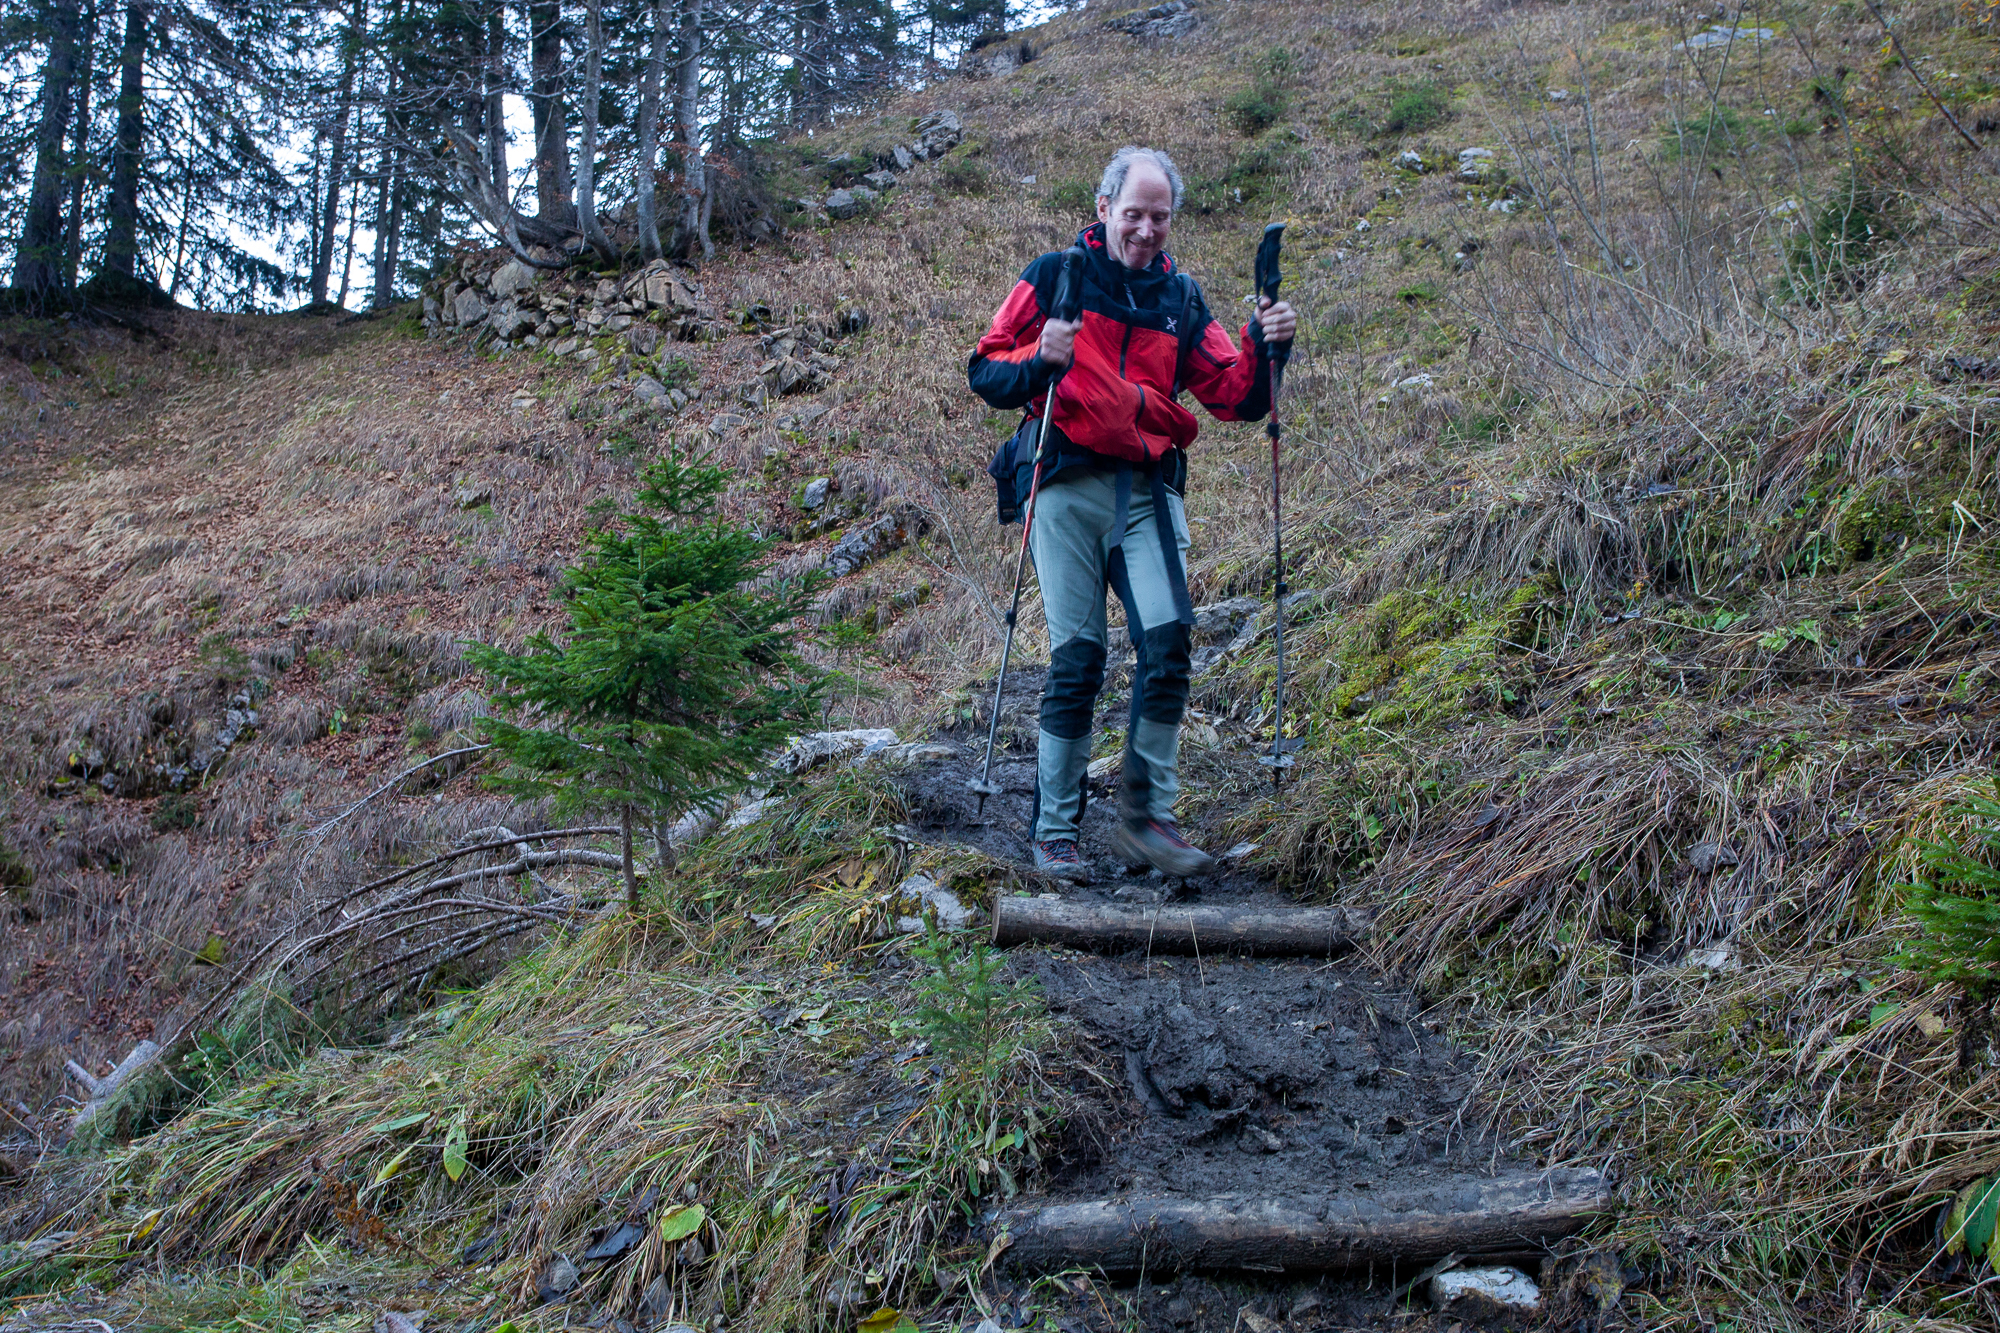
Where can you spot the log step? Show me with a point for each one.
(1168, 928)
(1161, 1234)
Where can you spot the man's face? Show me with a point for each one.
(1136, 222)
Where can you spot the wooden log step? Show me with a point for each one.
(1177, 929)
(1161, 1234)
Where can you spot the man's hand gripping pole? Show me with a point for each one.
(1069, 308)
(1268, 278)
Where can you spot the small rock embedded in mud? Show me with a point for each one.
(1483, 1293)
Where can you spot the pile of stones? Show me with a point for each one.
(934, 136)
(496, 299)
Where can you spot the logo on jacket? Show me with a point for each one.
(1171, 326)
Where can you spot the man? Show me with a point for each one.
(1109, 513)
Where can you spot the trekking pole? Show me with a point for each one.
(1068, 303)
(1268, 278)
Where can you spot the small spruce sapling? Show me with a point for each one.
(675, 676)
(1958, 904)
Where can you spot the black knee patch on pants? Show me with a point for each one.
(1076, 673)
(1160, 683)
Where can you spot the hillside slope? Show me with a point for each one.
(1642, 476)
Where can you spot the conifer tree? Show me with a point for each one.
(675, 676)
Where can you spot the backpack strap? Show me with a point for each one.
(1186, 329)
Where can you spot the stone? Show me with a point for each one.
(920, 895)
(891, 531)
(558, 1280)
(1723, 34)
(1172, 19)
(1475, 164)
(724, 422)
(507, 321)
(643, 339)
(665, 291)
(1220, 622)
(432, 308)
(468, 308)
(1364, 225)
(803, 417)
(789, 375)
(1486, 1293)
(881, 180)
(851, 202)
(618, 323)
(939, 132)
(563, 346)
(1107, 770)
(1504, 206)
(1706, 857)
(901, 156)
(1557, 94)
(1718, 957)
(471, 497)
(650, 391)
(819, 747)
(920, 752)
(1411, 160)
(814, 496)
(510, 277)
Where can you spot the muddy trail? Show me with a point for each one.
(1276, 1141)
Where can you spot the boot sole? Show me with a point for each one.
(1167, 861)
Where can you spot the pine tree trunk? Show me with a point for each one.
(649, 132)
(79, 163)
(385, 277)
(692, 232)
(347, 259)
(551, 113)
(38, 262)
(336, 169)
(625, 856)
(121, 241)
(586, 166)
(496, 110)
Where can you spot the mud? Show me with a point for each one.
(1243, 1076)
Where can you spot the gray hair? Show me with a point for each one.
(1113, 182)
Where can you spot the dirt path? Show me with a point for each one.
(1312, 1083)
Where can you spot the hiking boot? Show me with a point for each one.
(1160, 845)
(1058, 858)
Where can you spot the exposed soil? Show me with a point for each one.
(1227, 1076)
(1257, 1077)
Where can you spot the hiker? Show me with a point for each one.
(1108, 512)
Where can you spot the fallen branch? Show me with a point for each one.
(1166, 928)
(410, 772)
(1304, 1235)
(512, 840)
(102, 1090)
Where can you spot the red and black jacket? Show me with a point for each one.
(1118, 404)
